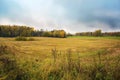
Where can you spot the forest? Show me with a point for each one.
(25, 31)
(98, 33)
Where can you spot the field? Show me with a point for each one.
(63, 58)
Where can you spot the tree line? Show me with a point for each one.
(25, 31)
(15, 30)
(97, 33)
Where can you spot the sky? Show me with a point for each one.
(70, 15)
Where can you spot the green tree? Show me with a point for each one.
(97, 33)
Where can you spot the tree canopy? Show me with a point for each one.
(15, 30)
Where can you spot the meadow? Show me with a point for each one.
(72, 58)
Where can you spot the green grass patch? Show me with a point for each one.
(93, 37)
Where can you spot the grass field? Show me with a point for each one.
(54, 58)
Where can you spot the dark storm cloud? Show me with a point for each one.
(71, 15)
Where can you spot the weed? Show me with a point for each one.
(54, 54)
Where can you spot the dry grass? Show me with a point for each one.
(41, 48)
(40, 59)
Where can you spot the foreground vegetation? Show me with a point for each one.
(95, 58)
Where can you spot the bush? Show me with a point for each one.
(24, 39)
(31, 39)
(21, 39)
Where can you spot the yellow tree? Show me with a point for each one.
(97, 33)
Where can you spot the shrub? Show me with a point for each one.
(21, 39)
(31, 39)
(24, 39)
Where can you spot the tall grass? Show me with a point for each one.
(60, 66)
(9, 69)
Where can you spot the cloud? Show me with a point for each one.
(71, 15)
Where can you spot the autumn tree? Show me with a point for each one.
(97, 33)
(15, 30)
